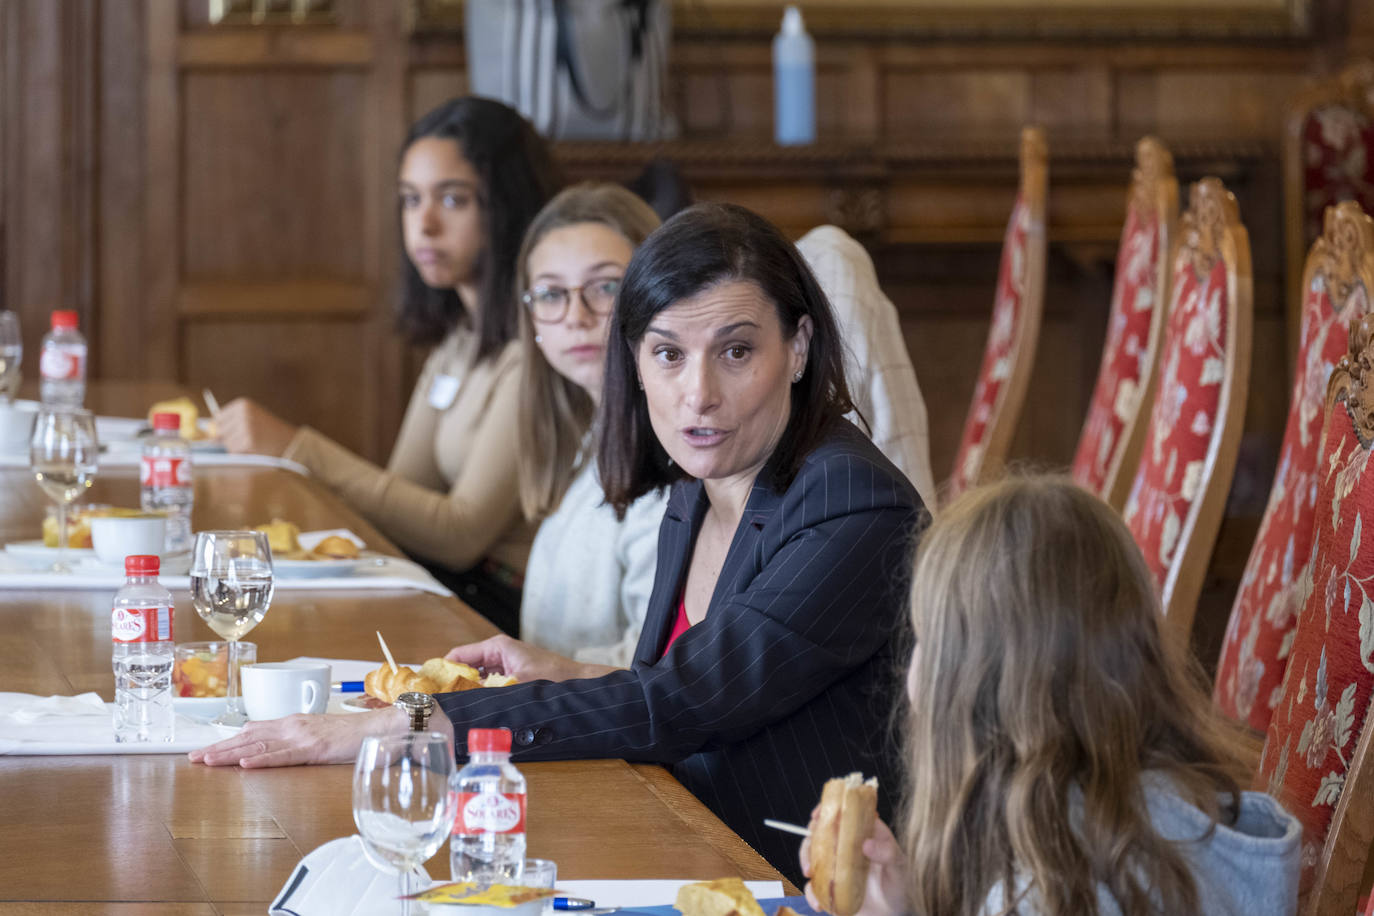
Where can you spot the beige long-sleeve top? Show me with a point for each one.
(449, 494)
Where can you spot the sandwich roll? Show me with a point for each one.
(839, 868)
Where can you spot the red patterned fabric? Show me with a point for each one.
(1259, 635)
(1002, 341)
(1338, 163)
(1117, 395)
(1184, 416)
(1327, 686)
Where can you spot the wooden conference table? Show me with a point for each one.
(154, 834)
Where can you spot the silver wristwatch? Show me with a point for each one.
(418, 706)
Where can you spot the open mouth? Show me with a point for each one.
(703, 435)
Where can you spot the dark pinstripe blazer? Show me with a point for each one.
(791, 677)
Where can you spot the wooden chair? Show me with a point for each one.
(1316, 758)
(1109, 446)
(1010, 352)
(1179, 490)
(1338, 284)
(1327, 157)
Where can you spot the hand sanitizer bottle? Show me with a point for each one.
(794, 82)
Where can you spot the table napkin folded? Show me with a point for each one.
(376, 574)
(338, 878)
(60, 725)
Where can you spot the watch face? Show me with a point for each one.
(417, 701)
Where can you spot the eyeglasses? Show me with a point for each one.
(550, 303)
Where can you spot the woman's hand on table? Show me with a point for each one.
(247, 428)
(523, 661)
(302, 739)
(885, 892)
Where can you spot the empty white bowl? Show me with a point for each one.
(115, 538)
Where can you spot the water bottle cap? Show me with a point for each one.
(792, 21)
(166, 420)
(489, 739)
(65, 319)
(141, 565)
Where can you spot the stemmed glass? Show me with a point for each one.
(231, 587)
(63, 455)
(11, 355)
(401, 801)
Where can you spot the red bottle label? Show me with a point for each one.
(141, 624)
(165, 472)
(480, 812)
(60, 364)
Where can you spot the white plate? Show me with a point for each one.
(360, 702)
(200, 708)
(38, 553)
(316, 569)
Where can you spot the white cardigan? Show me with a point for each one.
(878, 368)
(589, 577)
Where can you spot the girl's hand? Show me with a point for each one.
(885, 891)
(247, 428)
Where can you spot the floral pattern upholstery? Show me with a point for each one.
(1184, 416)
(1000, 350)
(1327, 686)
(1259, 636)
(1337, 163)
(1117, 395)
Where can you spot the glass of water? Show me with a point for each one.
(11, 355)
(231, 587)
(401, 800)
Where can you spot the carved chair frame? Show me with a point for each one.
(1154, 190)
(1353, 87)
(1338, 878)
(1001, 425)
(1211, 229)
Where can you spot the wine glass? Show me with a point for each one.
(63, 454)
(231, 587)
(11, 355)
(401, 800)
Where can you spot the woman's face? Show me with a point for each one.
(717, 376)
(441, 216)
(579, 266)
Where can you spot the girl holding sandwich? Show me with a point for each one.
(1060, 756)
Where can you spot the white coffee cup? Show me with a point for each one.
(275, 689)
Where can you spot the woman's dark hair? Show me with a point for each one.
(703, 246)
(517, 177)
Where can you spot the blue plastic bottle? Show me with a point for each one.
(794, 82)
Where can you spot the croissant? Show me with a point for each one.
(387, 685)
(438, 675)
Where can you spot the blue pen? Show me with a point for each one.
(573, 903)
(349, 687)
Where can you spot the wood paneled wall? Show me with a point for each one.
(216, 200)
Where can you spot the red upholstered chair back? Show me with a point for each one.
(1328, 157)
(1179, 491)
(1109, 446)
(1314, 758)
(1339, 280)
(1010, 352)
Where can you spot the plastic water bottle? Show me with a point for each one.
(167, 481)
(141, 627)
(488, 843)
(62, 362)
(794, 82)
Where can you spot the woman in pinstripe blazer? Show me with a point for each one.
(770, 654)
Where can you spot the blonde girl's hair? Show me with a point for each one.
(555, 413)
(1044, 689)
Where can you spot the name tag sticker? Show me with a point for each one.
(442, 391)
